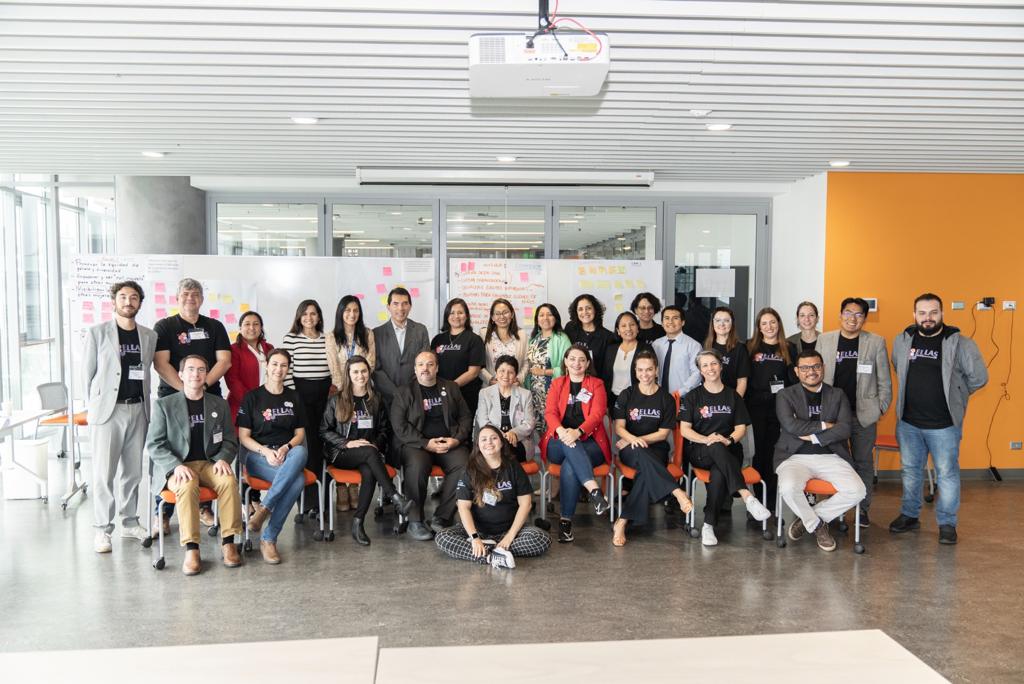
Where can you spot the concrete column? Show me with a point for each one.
(159, 215)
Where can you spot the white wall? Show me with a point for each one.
(798, 247)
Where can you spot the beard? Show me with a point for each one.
(127, 312)
(929, 327)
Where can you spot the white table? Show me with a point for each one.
(17, 419)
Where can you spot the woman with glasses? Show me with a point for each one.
(502, 337)
(735, 358)
(807, 322)
(646, 306)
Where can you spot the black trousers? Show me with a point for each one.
(651, 484)
(725, 464)
(313, 394)
(417, 464)
(370, 464)
(765, 423)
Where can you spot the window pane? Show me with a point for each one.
(606, 232)
(32, 281)
(268, 229)
(495, 231)
(381, 230)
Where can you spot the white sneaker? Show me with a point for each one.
(757, 509)
(502, 558)
(102, 542)
(136, 531)
(707, 535)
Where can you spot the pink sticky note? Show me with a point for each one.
(106, 306)
(524, 277)
(161, 299)
(381, 289)
(215, 313)
(415, 292)
(528, 311)
(230, 319)
(463, 267)
(87, 317)
(472, 266)
(160, 287)
(106, 316)
(87, 306)
(387, 271)
(360, 295)
(161, 313)
(172, 300)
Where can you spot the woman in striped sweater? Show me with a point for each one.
(310, 375)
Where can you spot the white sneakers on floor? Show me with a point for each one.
(134, 532)
(757, 509)
(102, 542)
(502, 558)
(707, 536)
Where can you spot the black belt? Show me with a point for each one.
(130, 400)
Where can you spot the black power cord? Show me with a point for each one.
(1004, 396)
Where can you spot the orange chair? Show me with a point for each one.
(53, 396)
(750, 477)
(820, 488)
(601, 472)
(251, 482)
(347, 476)
(889, 443)
(675, 466)
(206, 495)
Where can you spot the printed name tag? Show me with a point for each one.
(197, 334)
(777, 386)
(218, 437)
(365, 423)
(584, 396)
(864, 368)
(136, 373)
(490, 498)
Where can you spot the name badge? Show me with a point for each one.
(197, 334)
(365, 423)
(136, 372)
(218, 437)
(864, 368)
(777, 386)
(490, 498)
(584, 396)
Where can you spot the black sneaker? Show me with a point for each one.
(565, 532)
(904, 523)
(598, 501)
(947, 534)
(865, 521)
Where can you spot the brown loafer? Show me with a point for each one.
(231, 557)
(192, 565)
(206, 517)
(269, 551)
(257, 519)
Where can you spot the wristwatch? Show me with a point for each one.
(475, 535)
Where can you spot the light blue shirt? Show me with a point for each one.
(684, 375)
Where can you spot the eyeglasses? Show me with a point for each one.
(808, 369)
(722, 321)
(853, 314)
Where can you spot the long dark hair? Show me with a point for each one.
(480, 475)
(457, 301)
(240, 341)
(303, 305)
(757, 339)
(586, 352)
(731, 340)
(556, 328)
(598, 310)
(513, 325)
(339, 322)
(345, 404)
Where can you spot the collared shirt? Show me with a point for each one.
(400, 334)
(683, 374)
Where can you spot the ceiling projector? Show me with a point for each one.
(511, 65)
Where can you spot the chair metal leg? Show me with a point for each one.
(543, 495)
(780, 539)
(765, 532)
(319, 534)
(159, 562)
(857, 546)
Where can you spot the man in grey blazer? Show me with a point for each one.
(398, 342)
(857, 362)
(192, 443)
(116, 365)
(815, 420)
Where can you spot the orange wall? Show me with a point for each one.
(896, 235)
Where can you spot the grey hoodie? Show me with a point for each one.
(963, 369)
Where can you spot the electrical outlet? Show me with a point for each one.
(1009, 305)
(958, 306)
(1016, 446)
(982, 306)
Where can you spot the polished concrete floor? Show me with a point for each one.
(957, 608)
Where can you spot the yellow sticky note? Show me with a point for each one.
(382, 316)
(618, 283)
(226, 299)
(629, 283)
(586, 284)
(582, 270)
(233, 335)
(617, 296)
(641, 284)
(602, 270)
(243, 307)
(174, 311)
(593, 270)
(618, 307)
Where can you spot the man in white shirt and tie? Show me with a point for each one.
(676, 354)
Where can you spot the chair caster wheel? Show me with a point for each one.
(213, 530)
(781, 542)
(401, 527)
(300, 518)
(929, 498)
(858, 548)
(318, 535)
(843, 526)
(693, 532)
(146, 543)
(330, 536)
(63, 506)
(247, 546)
(874, 480)
(159, 564)
(768, 535)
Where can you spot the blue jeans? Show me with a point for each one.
(286, 483)
(578, 464)
(944, 446)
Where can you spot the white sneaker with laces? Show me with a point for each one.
(102, 542)
(757, 509)
(502, 558)
(707, 536)
(136, 531)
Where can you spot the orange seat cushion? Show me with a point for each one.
(436, 471)
(750, 475)
(262, 485)
(627, 472)
(819, 487)
(350, 476)
(205, 494)
(531, 467)
(599, 471)
(81, 418)
(886, 442)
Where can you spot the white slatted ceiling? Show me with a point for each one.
(907, 85)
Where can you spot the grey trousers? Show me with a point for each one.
(862, 448)
(117, 466)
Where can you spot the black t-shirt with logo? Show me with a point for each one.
(735, 363)
(596, 341)
(711, 413)
(511, 482)
(130, 350)
(362, 412)
(181, 338)
(813, 413)
(455, 354)
(574, 417)
(807, 346)
(645, 414)
(925, 405)
(846, 368)
(271, 418)
(433, 421)
(506, 411)
(197, 426)
(768, 366)
(648, 335)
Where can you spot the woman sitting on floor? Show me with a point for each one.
(494, 495)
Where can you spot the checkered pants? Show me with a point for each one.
(455, 541)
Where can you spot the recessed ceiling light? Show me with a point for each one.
(271, 205)
(839, 164)
(718, 126)
(622, 239)
(626, 248)
(700, 113)
(152, 154)
(307, 120)
(706, 232)
(395, 213)
(505, 158)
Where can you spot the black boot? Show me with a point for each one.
(358, 533)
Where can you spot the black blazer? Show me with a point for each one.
(407, 416)
(335, 435)
(607, 372)
(791, 407)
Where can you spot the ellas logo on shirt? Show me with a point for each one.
(762, 357)
(639, 414)
(711, 410)
(430, 403)
(182, 338)
(813, 410)
(270, 414)
(932, 354)
(848, 355)
(442, 348)
(130, 349)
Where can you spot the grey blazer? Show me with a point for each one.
(791, 407)
(394, 368)
(101, 369)
(168, 438)
(874, 389)
(488, 410)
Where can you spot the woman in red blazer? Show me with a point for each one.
(248, 360)
(575, 437)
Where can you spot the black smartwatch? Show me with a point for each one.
(475, 535)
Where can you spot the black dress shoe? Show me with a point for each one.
(402, 503)
(904, 523)
(420, 532)
(358, 533)
(947, 534)
(437, 525)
